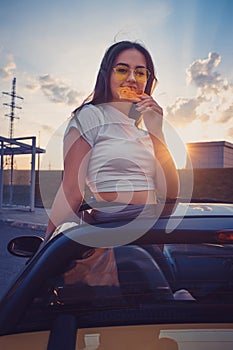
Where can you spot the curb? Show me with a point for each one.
(21, 224)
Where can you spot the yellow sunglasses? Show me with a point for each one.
(122, 72)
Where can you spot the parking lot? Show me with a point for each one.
(16, 223)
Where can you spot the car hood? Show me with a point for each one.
(203, 209)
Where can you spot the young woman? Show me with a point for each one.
(104, 147)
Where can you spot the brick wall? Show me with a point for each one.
(212, 183)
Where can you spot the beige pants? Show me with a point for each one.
(99, 269)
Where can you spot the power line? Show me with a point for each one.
(12, 106)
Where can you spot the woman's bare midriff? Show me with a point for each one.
(136, 197)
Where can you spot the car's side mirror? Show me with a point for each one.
(24, 246)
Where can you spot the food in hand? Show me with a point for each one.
(127, 93)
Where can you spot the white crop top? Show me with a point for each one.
(122, 157)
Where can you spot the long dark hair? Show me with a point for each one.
(102, 92)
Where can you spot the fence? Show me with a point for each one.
(208, 183)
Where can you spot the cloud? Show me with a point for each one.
(46, 128)
(214, 98)
(55, 90)
(7, 71)
(72, 97)
(32, 86)
(227, 114)
(230, 132)
(201, 73)
(185, 110)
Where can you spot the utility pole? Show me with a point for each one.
(12, 117)
(12, 106)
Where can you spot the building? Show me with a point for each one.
(213, 154)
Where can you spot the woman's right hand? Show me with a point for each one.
(152, 115)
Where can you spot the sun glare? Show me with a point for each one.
(176, 145)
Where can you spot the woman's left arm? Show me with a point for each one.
(153, 119)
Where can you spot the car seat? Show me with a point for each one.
(141, 279)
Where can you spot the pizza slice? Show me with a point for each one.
(127, 93)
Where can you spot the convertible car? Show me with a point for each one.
(175, 291)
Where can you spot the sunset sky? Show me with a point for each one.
(54, 48)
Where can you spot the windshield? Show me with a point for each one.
(172, 296)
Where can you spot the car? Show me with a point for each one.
(175, 292)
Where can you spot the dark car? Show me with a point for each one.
(175, 292)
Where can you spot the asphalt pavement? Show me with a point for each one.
(21, 217)
(17, 222)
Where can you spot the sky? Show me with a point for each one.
(54, 49)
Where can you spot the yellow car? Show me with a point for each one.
(175, 286)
